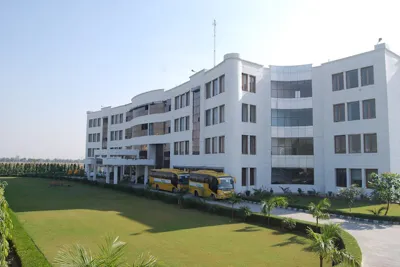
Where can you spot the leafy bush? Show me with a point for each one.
(300, 191)
(289, 223)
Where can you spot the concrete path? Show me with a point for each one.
(379, 243)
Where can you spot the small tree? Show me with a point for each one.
(350, 194)
(245, 211)
(234, 199)
(319, 211)
(386, 188)
(268, 204)
(324, 245)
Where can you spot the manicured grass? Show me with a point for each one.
(360, 206)
(55, 216)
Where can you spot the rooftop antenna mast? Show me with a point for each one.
(215, 36)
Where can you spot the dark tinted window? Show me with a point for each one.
(352, 78)
(196, 123)
(287, 89)
(292, 146)
(341, 178)
(292, 117)
(292, 176)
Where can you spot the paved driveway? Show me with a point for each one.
(379, 243)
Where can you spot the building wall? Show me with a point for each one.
(324, 159)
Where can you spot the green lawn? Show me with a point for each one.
(360, 206)
(54, 216)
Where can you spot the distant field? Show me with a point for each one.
(55, 216)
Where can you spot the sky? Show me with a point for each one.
(59, 59)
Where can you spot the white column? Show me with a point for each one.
(146, 174)
(107, 174)
(94, 172)
(136, 174)
(88, 172)
(115, 174)
(130, 173)
(122, 172)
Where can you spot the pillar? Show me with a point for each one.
(115, 174)
(136, 174)
(146, 174)
(88, 172)
(130, 173)
(107, 174)
(94, 172)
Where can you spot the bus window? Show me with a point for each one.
(226, 183)
(214, 184)
(184, 179)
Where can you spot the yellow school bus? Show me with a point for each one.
(208, 183)
(169, 179)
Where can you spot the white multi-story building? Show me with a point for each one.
(322, 127)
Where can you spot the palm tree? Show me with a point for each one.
(319, 211)
(181, 195)
(111, 255)
(268, 204)
(234, 199)
(245, 211)
(323, 244)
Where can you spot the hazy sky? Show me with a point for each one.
(59, 59)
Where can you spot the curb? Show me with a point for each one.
(350, 218)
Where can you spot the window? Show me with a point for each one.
(116, 120)
(186, 147)
(253, 113)
(354, 143)
(90, 138)
(222, 84)
(121, 118)
(90, 123)
(245, 112)
(369, 111)
(253, 145)
(353, 111)
(176, 102)
(187, 123)
(94, 122)
(292, 117)
(215, 116)
(182, 124)
(182, 102)
(181, 148)
(208, 90)
(341, 178)
(208, 117)
(355, 177)
(214, 145)
(221, 113)
(98, 137)
(222, 144)
(215, 87)
(252, 84)
(370, 143)
(340, 144)
(187, 98)
(196, 123)
(176, 148)
(245, 149)
(244, 176)
(292, 146)
(244, 82)
(292, 176)
(367, 76)
(112, 135)
(352, 78)
(176, 125)
(338, 113)
(288, 89)
(337, 82)
(368, 176)
(208, 145)
(252, 176)
(89, 152)
(112, 119)
(99, 122)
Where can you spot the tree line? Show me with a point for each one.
(41, 169)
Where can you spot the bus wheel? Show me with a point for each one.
(174, 190)
(157, 187)
(196, 194)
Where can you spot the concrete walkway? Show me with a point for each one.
(379, 243)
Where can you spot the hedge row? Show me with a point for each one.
(27, 251)
(339, 212)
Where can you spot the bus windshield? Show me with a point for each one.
(225, 183)
(184, 178)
